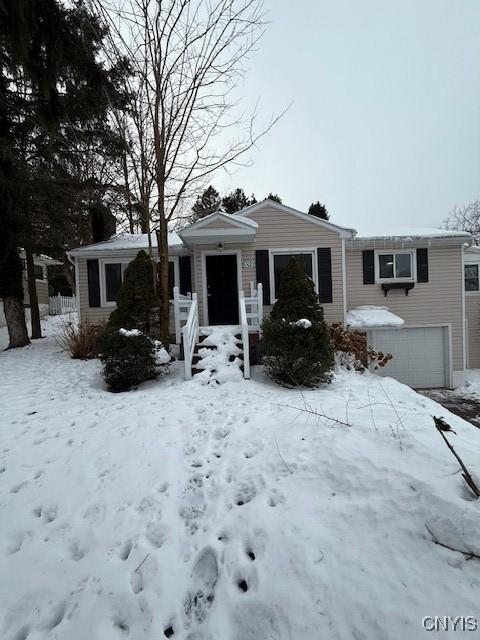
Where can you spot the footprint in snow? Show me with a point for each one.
(47, 514)
(18, 487)
(202, 594)
(143, 574)
(254, 620)
(125, 550)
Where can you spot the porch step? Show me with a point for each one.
(221, 356)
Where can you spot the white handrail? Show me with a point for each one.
(244, 328)
(181, 308)
(254, 309)
(190, 336)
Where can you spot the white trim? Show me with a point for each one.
(344, 283)
(204, 254)
(467, 349)
(220, 215)
(464, 341)
(469, 263)
(394, 252)
(448, 351)
(271, 271)
(77, 288)
(344, 232)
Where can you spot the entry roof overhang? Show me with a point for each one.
(220, 227)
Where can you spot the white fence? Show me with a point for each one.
(181, 308)
(61, 304)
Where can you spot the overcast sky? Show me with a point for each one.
(385, 122)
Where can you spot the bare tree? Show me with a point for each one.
(188, 57)
(466, 218)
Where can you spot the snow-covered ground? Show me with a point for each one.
(219, 513)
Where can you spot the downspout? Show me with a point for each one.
(344, 284)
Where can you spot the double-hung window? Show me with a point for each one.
(280, 259)
(471, 278)
(395, 266)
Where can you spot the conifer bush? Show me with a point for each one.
(296, 340)
(128, 358)
(136, 297)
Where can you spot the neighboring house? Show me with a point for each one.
(418, 274)
(41, 263)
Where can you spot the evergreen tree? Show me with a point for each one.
(207, 203)
(296, 340)
(275, 197)
(318, 210)
(236, 201)
(136, 297)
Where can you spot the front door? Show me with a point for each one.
(222, 289)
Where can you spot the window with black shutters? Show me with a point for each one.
(113, 280)
(280, 261)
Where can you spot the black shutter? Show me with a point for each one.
(324, 259)
(263, 273)
(422, 265)
(171, 278)
(368, 267)
(93, 277)
(185, 275)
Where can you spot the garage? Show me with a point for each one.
(420, 355)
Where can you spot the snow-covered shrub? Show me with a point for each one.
(128, 357)
(81, 341)
(296, 340)
(136, 296)
(352, 350)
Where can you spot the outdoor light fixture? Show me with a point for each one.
(220, 246)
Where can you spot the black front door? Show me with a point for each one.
(222, 289)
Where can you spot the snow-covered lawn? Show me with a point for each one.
(219, 513)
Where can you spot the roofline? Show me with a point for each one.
(130, 251)
(385, 242)
(199, 224)
(344, 232)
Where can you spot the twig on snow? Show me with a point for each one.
(468, 554)
(281, 457)
(314, 412)
(442, 426)
(141, 564)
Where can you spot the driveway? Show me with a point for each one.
(465, 406)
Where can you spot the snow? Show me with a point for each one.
(125, 514)
(370, 316)
(216, 364)
(128, 333)
(410, 233)
(133, 241)
(304, 323)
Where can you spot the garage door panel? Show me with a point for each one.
(419, 355)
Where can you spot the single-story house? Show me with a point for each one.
(225, 268)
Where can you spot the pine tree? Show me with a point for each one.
(236, 201)
(296, 340)
(318, 210)
(275, 197)
(207, 203)
(136, 297)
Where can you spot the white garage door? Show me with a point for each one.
(419, 355)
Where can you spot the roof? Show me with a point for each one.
(411, 233)
(273, 204)
(371, 317)
(131, 242)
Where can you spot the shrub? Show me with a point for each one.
(136, 297)
(128, 357)
(296, 340)
(81, 341)
(353, 352)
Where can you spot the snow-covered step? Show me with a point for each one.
(218, 355)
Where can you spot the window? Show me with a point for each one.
(396, 265)
(280, 261)
(38, 269)
(113, 280)
(471, 277)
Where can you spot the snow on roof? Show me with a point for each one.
(369, 316)
(411, 233)
(133, 241)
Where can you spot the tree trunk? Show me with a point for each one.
(69, 273)
(163, 293)
(32, 293)
(15, 317)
